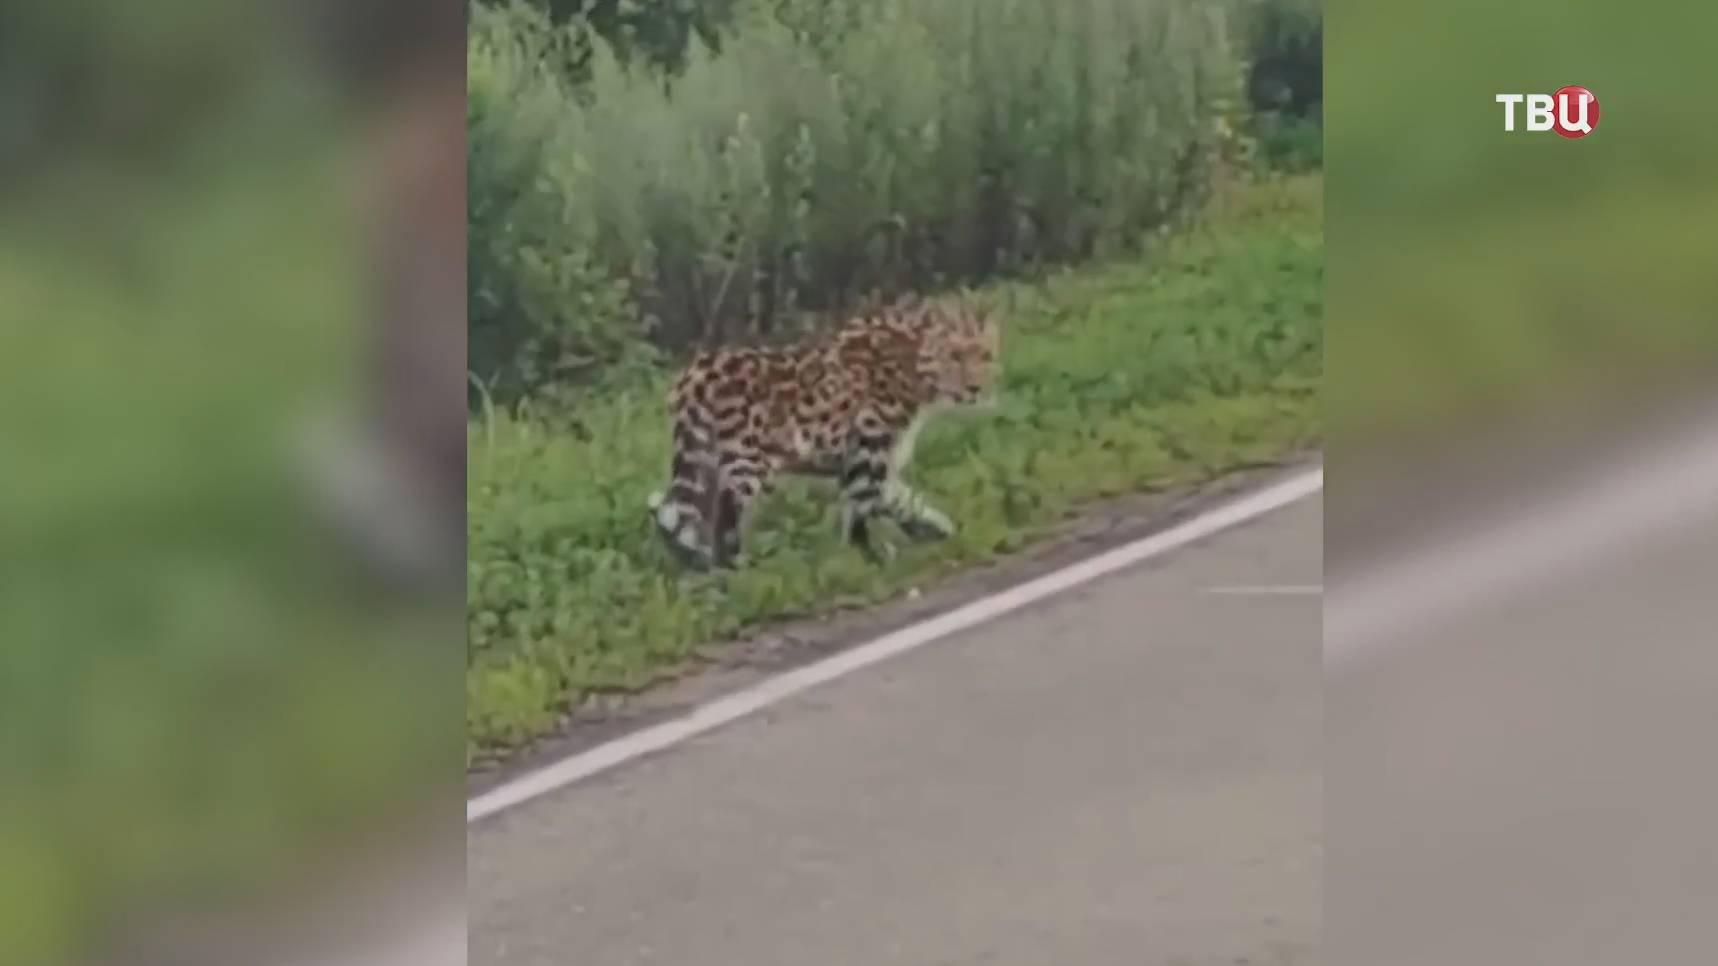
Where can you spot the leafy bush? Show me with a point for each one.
(830, 151)
(1289, 143)
(654, 33)
(541, 307)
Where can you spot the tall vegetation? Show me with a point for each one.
(830, 150)
(656, 34)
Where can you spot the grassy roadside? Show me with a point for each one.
(1118, 378)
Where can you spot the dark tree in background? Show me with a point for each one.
(1287, 61)
(1284, 52)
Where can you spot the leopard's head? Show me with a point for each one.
(964, 351)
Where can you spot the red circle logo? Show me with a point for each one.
(1575, 112)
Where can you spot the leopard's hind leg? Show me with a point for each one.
(683, 515)
(744, 476)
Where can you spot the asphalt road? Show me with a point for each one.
(1129, 773)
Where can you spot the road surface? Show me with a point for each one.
(1128, 773)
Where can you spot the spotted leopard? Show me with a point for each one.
(846, 406)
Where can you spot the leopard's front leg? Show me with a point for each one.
(872, 487)
(863, 480)
(917, 518)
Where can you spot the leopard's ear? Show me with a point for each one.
(990, 326)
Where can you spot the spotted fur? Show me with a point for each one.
(846, 406)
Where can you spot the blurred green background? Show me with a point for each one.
(204, 697)
(1480, 278)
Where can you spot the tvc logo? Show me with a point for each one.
(1572, 112)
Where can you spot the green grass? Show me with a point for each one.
(1132, 376)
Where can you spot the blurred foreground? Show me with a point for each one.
(231, 277)
(1521, 671)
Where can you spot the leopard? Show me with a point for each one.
(846, 405)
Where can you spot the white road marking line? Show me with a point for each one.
(1676, 486)
(1269, 590)
(772, 690)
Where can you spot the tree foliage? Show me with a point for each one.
(658, 33)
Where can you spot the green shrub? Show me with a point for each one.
(652, 33)
(1289, 143)
(908, 146)
(541, 307)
